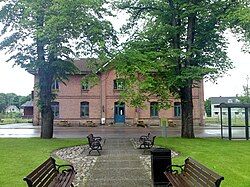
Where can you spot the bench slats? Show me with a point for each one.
(32, 176)
(198, 175)
(211, 173)
(68, 180)
(194, 174)
(176, 180)
(46, 175)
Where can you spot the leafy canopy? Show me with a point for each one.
(159, 49)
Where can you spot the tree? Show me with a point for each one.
(12, 99)
(245, 97)
(208, 107)
(43, 37)
(3, 102)
(174, 44)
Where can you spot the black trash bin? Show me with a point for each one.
(160, 159)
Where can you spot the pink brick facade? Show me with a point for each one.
(101, 101)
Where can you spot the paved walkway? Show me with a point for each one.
(116, 131)
(119, 165)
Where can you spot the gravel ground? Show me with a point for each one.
(78, 157)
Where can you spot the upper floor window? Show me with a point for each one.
(154, 109)
(85, 85)
(55, 109)
(177, 109)
(119, 84)
(55, 85)
(84, 109)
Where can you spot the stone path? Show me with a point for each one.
(119, 165)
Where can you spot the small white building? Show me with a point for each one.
(12, 108)
(215, 112)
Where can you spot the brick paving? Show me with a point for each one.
(119, 165)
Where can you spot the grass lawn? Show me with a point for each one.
(230, 159)
(18, 157)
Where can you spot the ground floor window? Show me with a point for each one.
(154, 109)
(177, 109)
(84, 109)
(55, 109)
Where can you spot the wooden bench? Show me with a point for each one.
(94, 143)
(147, 142)
(51, 174)
(90, 124)
(192, 174)
(141, 123)
(144, 137)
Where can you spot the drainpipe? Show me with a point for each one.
(101, 101)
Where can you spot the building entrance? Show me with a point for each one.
(119, 113)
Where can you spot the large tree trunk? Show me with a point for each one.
(187, 130)
(47, 116)
(186, 91)
(45, 82)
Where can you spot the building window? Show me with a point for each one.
(224, 113)
(55, 109)
(84, 109)
(85, 85)
(177, 109)
(55, 85)
(216, 113)
(119, 84)
(154, 109)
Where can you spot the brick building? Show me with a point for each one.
(78, 104)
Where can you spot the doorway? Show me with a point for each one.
(119, 112)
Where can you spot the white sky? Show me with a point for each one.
(231, 84)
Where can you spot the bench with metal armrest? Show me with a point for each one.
(51, 174)
(192, 173)
(94, 143)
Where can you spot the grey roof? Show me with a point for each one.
(27, 104)
(233, 105)
(82, 65)
(218, 100)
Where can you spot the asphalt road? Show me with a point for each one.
(27, 130)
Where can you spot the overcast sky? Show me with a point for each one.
(16, 80)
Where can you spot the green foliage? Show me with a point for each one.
(164, 53)
(44, 37)
(12, 99)
(208, 107)
(239, 22)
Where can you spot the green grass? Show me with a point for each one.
(230, 159)
(236, 121)
(5, 121)
(18, 157)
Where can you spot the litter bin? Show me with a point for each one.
(160, 159)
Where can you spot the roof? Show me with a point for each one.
(27, 104)
(82, 65)
(11, 107)
(233, 105)
(218, 100)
